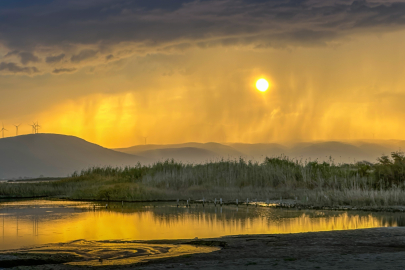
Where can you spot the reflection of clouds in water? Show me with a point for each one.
(27, 225)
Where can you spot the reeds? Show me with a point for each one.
(324, 183)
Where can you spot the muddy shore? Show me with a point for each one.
(379, 248)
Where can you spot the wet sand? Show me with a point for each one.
(379, 248)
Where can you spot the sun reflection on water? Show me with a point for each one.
(41, 222)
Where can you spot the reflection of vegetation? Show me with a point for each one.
(362, 183)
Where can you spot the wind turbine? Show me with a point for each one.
(34, 128)
(145, 139)
(3, 129)
(16, 129)
(37, 127)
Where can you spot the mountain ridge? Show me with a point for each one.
(55, 155)
(339, 152)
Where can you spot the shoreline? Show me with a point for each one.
(286, 204)
(376, 248)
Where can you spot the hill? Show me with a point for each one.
(340, 152)
(54, 155)
(260, 150)
(215, 149)
(184, 154)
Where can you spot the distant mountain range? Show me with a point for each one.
(54, 155)
(339, 152)
(187, 152)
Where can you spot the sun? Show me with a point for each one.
(262, 85)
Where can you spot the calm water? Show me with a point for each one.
(34, 222)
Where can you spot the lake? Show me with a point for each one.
(37, 222)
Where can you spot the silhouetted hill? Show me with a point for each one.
(54, 155)
(59, 155)
(184, 154)
(216, 148)
(260, 150)
(323, 151)
(340, 152)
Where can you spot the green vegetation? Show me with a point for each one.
(360, 184)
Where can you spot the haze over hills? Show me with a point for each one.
(54, 155)
(339, 152)
(260, 150)
(183, 154)
(190, 152)
(215, 148)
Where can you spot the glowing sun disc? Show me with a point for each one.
(262, 85)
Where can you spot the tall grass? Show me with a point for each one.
(324, 183)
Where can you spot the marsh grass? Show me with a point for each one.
(360, 184)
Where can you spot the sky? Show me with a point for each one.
(116, 71)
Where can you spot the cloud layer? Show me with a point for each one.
(84, 31)
(12, 68)
(55, 59)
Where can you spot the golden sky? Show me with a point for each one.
(114, 78)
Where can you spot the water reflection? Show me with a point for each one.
(40, 221)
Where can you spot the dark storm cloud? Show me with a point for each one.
(14, 68)
(63, 70)
(12, 53)
(55, 59)
(83, 55)
(150, 23)
(25, 57)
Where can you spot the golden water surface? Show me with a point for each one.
(27, 223)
